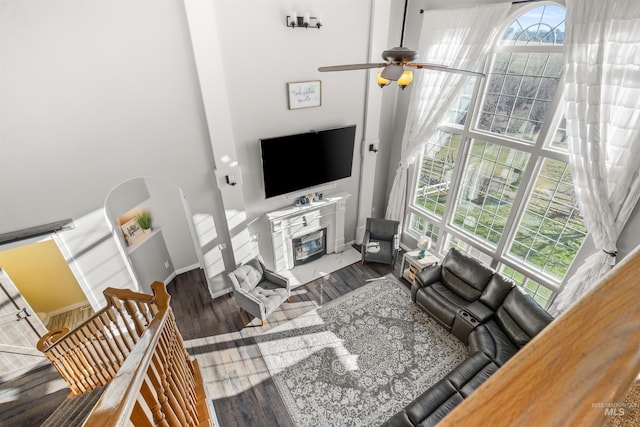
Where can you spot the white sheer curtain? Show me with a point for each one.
(602, 95)
(458, 38)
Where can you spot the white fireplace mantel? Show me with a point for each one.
(295, 221)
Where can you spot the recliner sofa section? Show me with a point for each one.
(440, 399)
(516, 321)
(483, 309)
(442, 290)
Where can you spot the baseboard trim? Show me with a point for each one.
(221, 292)
(77, 305)
(169, 278)
(187, 268)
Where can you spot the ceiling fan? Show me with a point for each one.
(399, 64)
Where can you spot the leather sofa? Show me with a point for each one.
(483, 309)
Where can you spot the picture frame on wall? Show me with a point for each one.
(304, 94)
(131, 231)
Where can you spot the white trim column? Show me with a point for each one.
(380, 12)
(208, 58)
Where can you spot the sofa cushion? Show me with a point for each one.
(521, 317)
(434, 404)
(383, 253)
(438, 400)
(381, 229)
(496, 291)
(490, 339)
(465, 275)
(270, 295)
(441, 302)
(468, 375)
(249, 275)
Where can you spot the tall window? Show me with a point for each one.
(494, 180)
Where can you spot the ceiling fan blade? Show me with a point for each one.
(445, 69)
(392, 72)
(351, 67)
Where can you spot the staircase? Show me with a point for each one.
(127, 365)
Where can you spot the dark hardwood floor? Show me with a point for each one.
(221, 337)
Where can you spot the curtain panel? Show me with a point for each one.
(602, 104)
(458, 38)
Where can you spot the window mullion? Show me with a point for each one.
(456, 182)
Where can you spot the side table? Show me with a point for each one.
(412, 265)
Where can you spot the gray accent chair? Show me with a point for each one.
(381, 241)
(258, 290)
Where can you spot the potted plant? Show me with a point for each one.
(143, 219)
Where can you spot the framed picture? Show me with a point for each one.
(131, 231)
(304, 94)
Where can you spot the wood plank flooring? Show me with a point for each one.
(222, 338)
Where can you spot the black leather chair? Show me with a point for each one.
(381, 241)
(438, 400)
(517, 320)
(442, 290)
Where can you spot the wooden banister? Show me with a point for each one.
(576, 371)
(134, 349)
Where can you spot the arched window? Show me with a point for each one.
(494, 180)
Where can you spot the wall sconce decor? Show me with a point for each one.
(304, 21)
(228, 177)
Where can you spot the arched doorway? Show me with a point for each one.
(174, 243)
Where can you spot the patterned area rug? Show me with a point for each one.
(359, 359)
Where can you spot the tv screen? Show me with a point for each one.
(296, 162)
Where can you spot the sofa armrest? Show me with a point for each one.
(249, 303)
(479, 311)
(425, 278)
(365, 243)
(276, 278)
(428, 276)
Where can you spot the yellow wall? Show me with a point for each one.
(42, 275)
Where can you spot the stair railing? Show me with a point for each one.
(134, 349)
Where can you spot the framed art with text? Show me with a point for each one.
(305, 94)
(131, 231)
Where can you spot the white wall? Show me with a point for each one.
(260, 55)
(94, 93)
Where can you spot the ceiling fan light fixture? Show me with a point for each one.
(406, 79)
(382, 82)
(392, 72)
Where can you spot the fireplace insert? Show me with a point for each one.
(309, 247)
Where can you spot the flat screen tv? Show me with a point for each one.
(295, 162)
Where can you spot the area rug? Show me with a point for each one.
(359, 359)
